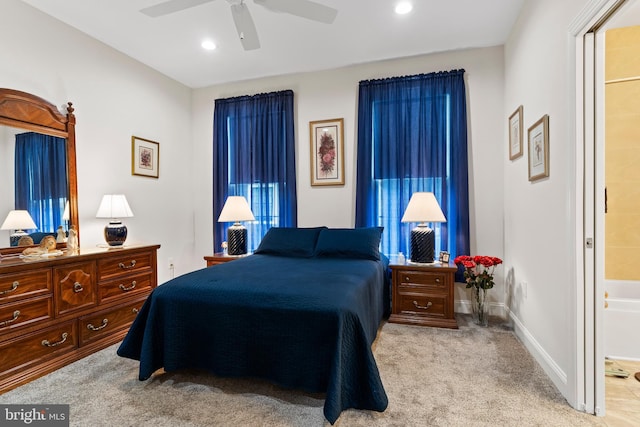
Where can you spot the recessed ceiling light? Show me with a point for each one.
(403, 7)
(208, 45)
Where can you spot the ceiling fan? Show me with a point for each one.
(242, 18)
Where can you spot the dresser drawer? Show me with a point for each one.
(423, 305)
(34, 348)
(111, 268)
(126, 287)
(435, 279)
(25, 312)
(24, 285)
(97, 326)
(75, 287)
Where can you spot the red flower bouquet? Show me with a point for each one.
(478, 273)
(478, 270)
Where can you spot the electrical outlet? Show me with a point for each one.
(171, 266)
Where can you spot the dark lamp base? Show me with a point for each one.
(422, 245)
(237, 240)
(115, 233)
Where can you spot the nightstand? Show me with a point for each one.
(218, 258)
(422, 294)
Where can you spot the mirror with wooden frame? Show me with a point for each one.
(19, 112)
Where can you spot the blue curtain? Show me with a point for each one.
(412, 136)
(41, 185)
(254, 157)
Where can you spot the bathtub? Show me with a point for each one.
(622, 320)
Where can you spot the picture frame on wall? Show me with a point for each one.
(538, 139)
(515, 134)
(145, 157)
(327, 152)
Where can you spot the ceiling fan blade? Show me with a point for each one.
(171, 6)
(303, 8)
(245, 26)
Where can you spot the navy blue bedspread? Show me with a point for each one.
(304, 323)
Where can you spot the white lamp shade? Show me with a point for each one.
(114, 206)
(423, 207)
(236, 209)
(18, 220)
(65, 214)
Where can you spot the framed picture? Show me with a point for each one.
(444, 257)
(539, 149)
(515, 134)
(145, 157)
(327, 152)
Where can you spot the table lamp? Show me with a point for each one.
(423, 208)
(114, 206)
(18, 220)
(236, 209)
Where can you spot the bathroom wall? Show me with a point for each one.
(622, 177)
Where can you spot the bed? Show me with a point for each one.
(301, 312)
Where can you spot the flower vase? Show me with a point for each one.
(480, 307)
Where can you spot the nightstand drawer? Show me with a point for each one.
(423, 305)
(422, 278)
(423, 295)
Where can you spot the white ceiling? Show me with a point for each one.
(364, 31)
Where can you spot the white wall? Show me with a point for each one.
(115, 98)
(539, 216)
(333, 94)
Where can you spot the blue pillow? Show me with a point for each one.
(359, 243)
(288, 241)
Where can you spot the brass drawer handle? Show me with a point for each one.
(15, 317)
(46, 343)
(407, 279)
(14, 286)
(422, 307)
(77, 287)
(124, 288)
(126, 267)
(135, 311)
(97, 328)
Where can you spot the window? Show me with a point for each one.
(412, 137)
(254, 157)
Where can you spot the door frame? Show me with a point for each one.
(588, 64)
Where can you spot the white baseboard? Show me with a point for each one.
(495, 309)
(550, 367)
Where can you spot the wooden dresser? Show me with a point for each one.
(58, 310)
(423, 294)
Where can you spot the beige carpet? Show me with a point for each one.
(433, 377)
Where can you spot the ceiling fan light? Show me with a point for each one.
(403, 7)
